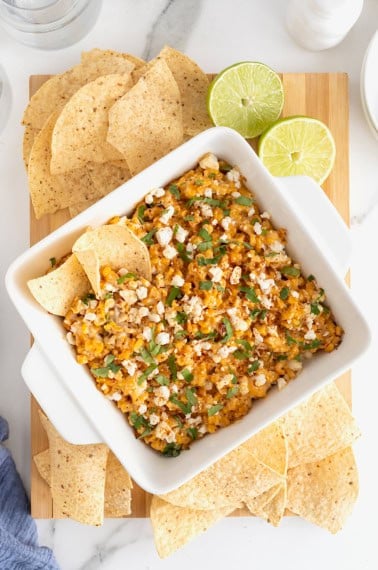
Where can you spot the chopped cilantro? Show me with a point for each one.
(187, 375)
(174, 190)
(88, 297)
(181, 318)
(250, 293)
(244, 201)
(123, 278)
(180, 334)
(232, 392)
(52, 261)
(172, 366)
(172, 450)
(205, 285)
(310, 345)
(140, 213)
(204, 246)
(205, 336)
(162, 380)
(179, 422)
(253, 367)
(146, 373)
(290, 340)
(290, 270)
(192, 432)
(185, 408)
(148, 238)
(138, 421)
(220, 288)
(146, 356)
(214, 410)
(108, 295)
(284, 293)
(229, 330)
(263, 314)
(173, 294)
(109, 367)
(191, 396)
(146, 432)
(189, 218)
(311, 278)
(254, 313)
(204, 234)
(281, 357)
(315, 309)
(211, 175)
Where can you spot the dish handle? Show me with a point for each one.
(55, 401)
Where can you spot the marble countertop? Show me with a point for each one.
(215, 33)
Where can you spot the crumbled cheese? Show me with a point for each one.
(258, 338)
(193, 307)
(225, 381)
(281, 383)
(216, 274)
(206, 210)
(147, 333)
(265, 215)
(177, 281)
(129, 296)
(90, 317)
(214, 222)
(143, 312)
(223, 237)
(294, 294)
(70, 337)
(161, 395)
(266, 302)
(265, 284)
(109, 287)
(159, 192)
(154, 318)
(238, 323)
(234, 176)
(142, 409)
(174, 388)
(236, 275)
(226, 222)
(260, 380)
(251, 212)
(93, 303)
(163, 338)
(181, 234)
(257, 228)
(235, 194)
(194, 421)
(130, 366)
(165, 432)
(190, 247)
(169, 252)
(164, 236)
(277, 246)
(208, 193)
(167, 215)
(154, 419)
(116, 397)
(142, 293)
(225, 351)
(209, 161)
(170, 316)
(310, 335)
(160, 308)
(208, 386)
(201, 346)
(149, 198)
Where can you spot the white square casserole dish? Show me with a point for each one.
(153, 472)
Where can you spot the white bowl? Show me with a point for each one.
(150, 470)
(369, 84)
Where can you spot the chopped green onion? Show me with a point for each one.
(181, 318)
(204, 234)
(172, 366)
(123, 278)
(187, 375)
(172, 450)
(192, 432)
(183, 253)
(88, 297)
(253, 367)
(162, 380)
(189, 218)
(148, 238)
(191, 397)
(315, 309)
(140, 213)
(250, 293)
(244, 201)
(232, 392)
(173, 293)
(229, 330)
(174, 190)
(146, 356)
(146, 373)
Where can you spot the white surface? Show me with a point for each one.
(369, 84)
(150, 470)
(215, 33)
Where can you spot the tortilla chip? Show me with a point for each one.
(319, 427)
(99, 55)
(227, 482)
(56, 290)
(175, 526)
(269, 446)
(54, 93)
(118, 487)
(193, 84)
(80, 131)
(111, 245)
(324, 492)
(42, 462)
(76, 209)
(146, 123)
(109, 176)
(48, 192)
(27, 143)
(77, 477)
(269, 505)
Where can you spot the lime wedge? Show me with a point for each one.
(247, 97)
(298, 145)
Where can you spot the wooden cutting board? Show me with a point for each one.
(320, 95)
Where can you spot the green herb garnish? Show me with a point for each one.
(123, 278)
(315, 310)
(187, 375)
(244, 201)
(138, 421)
(162, 380)
(284, 293)
(214, 410)
(172, 450)
(146, 373)
(205, 336)
(173, 294)
(229, 330)
(290, 270)
(311, 278)
(183, 254)
(181, 318)
(185, 408)
(174, 190)
(172, 366)
(250, 293)
(205, 285)
(253, 367)
(310, 345)
(148, 238)
(109, 367)
(191, 397)
(232, 392)
(52, 261)
(140, 213)
(204, 234)
(88, 297)
(198, 182)
(192, 432)
(189, 218)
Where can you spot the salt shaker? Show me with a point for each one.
(321, 24)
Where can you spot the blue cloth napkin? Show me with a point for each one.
(19, 548)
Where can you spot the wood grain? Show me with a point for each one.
(320, 95)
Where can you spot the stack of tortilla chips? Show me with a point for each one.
(91, 128)
(301, 464)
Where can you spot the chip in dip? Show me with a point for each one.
(226, 315)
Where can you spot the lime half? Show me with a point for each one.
(247, 97)
(298, 145)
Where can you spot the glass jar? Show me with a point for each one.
(48, 24)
